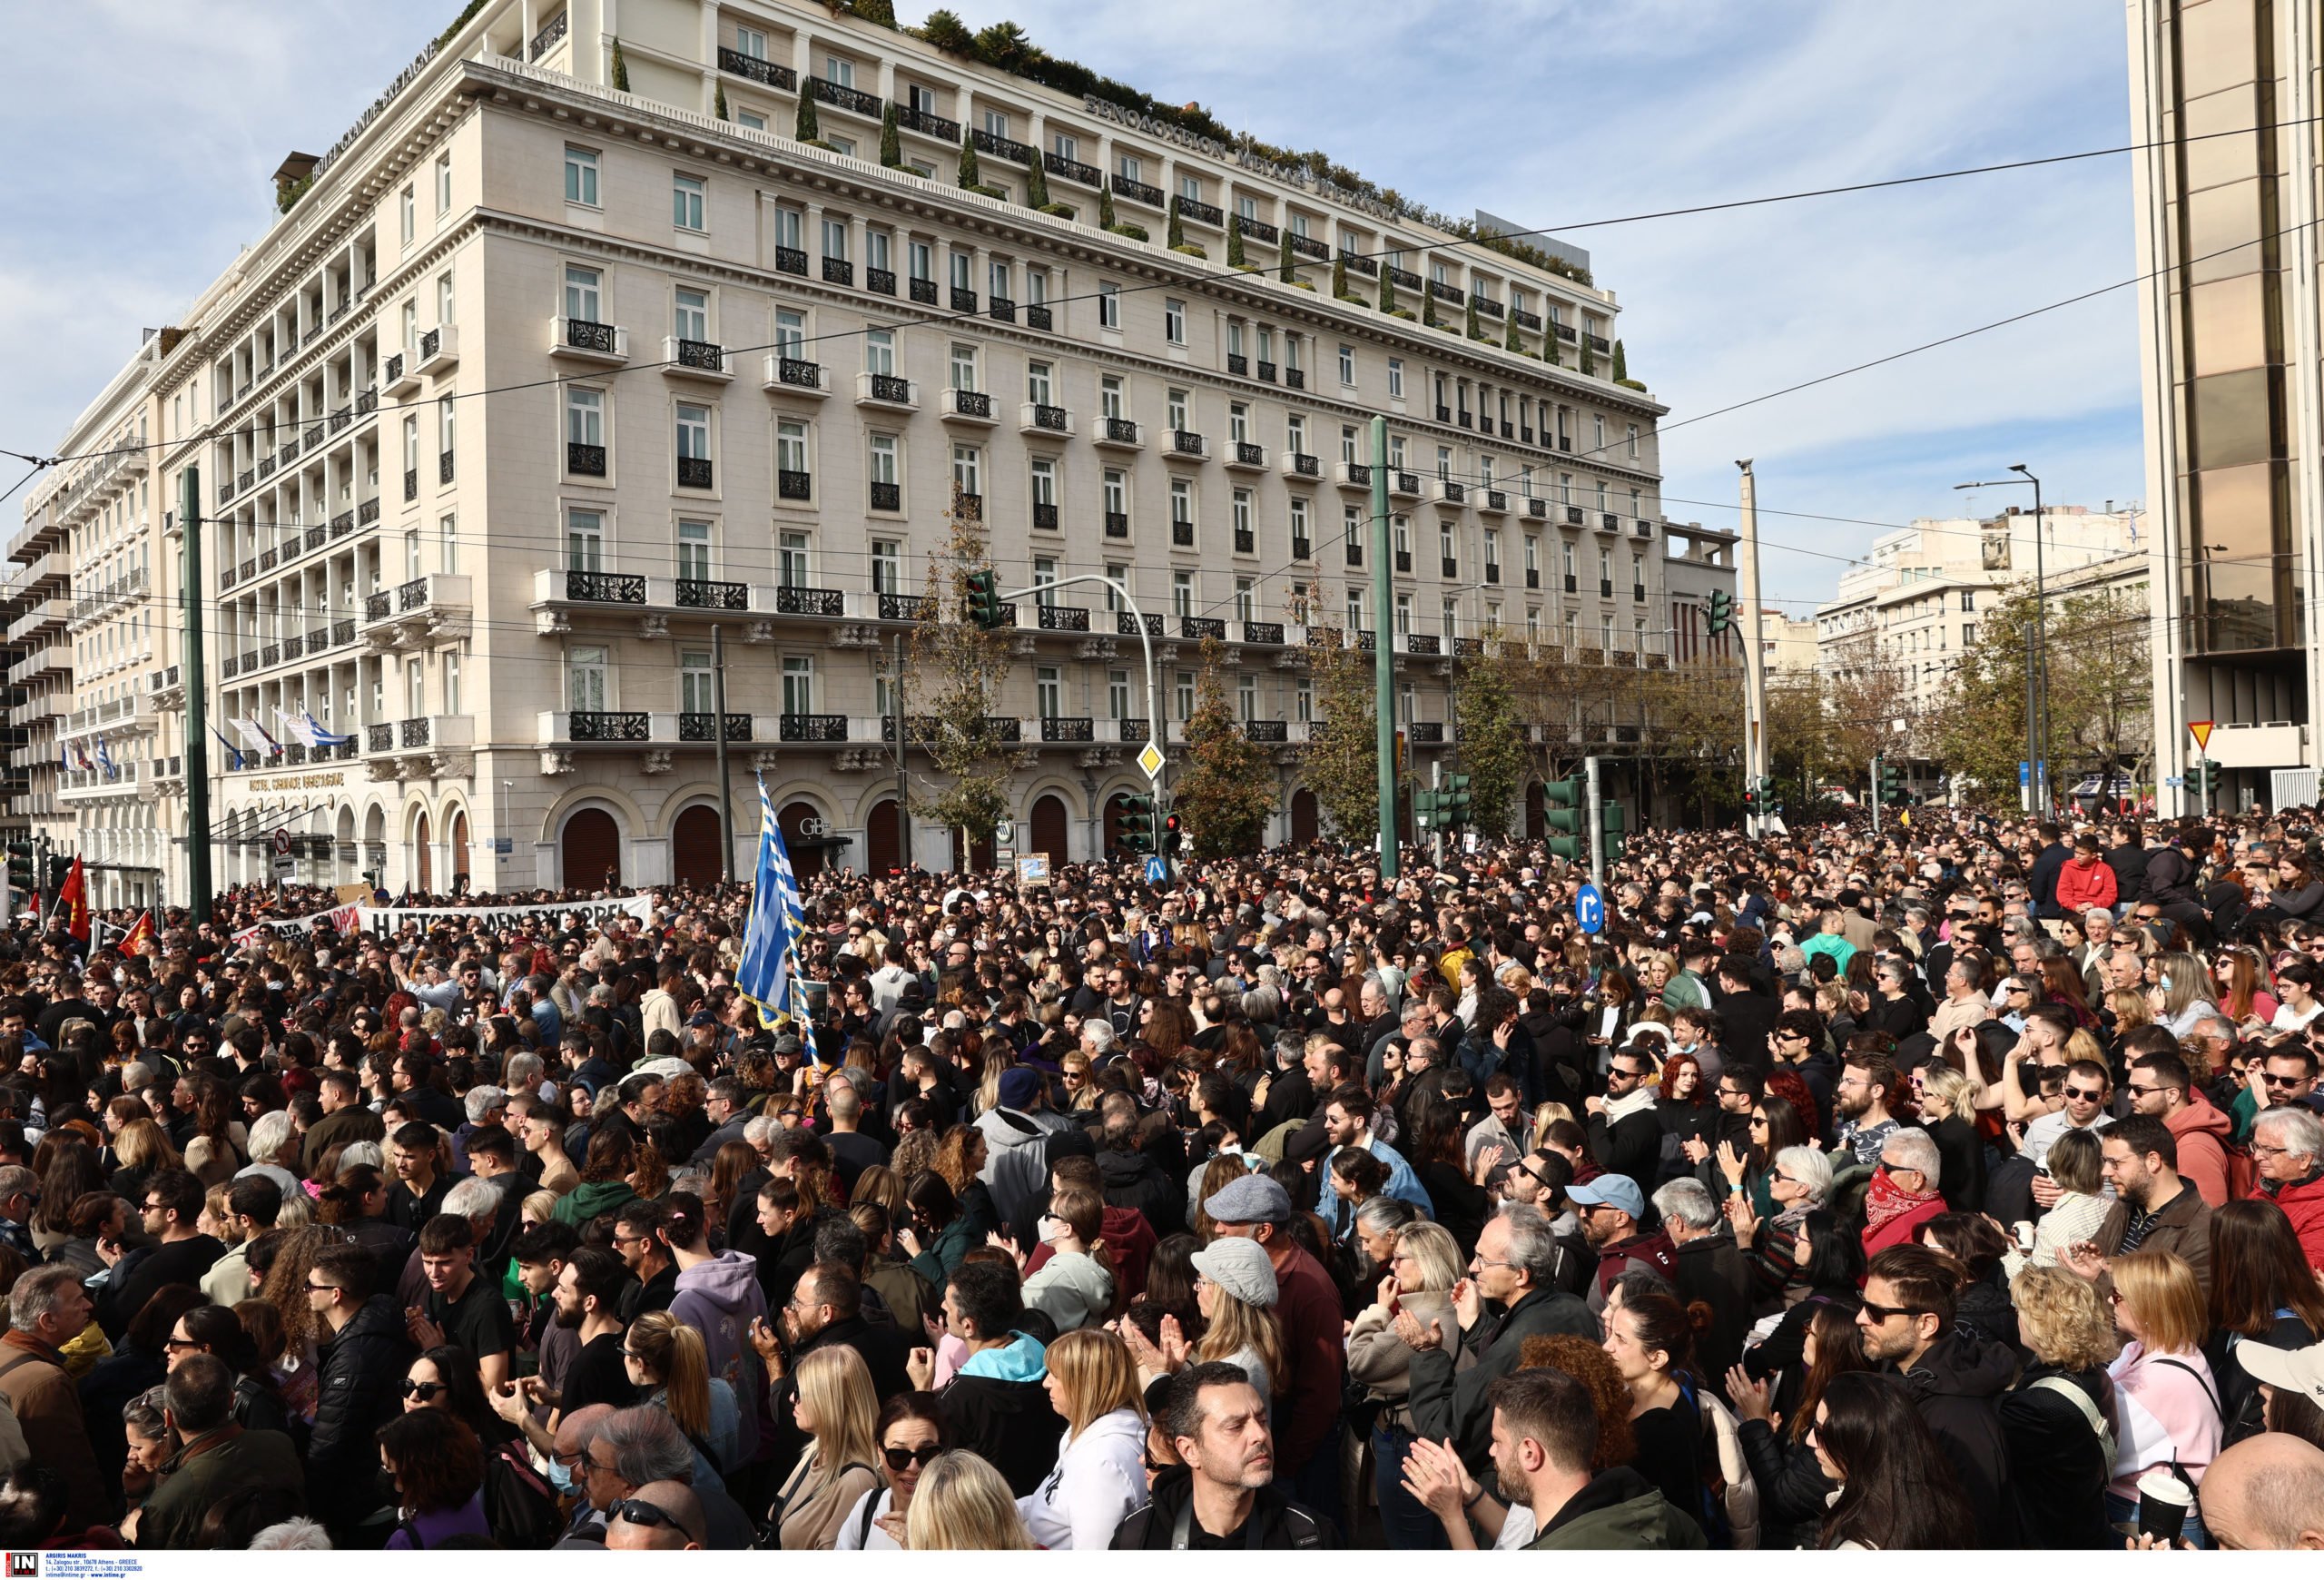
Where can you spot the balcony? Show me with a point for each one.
(1117, 433)
(1487, 307)
(963, 300)
(1638, 593)
(1295, 378)
(1446, 491)
(794, 376)
(595, 728)
(425, 609)
(1263, 633)
(1137, 191)
(702, 728)
(1267, 373)
(1185, 446)
(439, 349)
(1060, 617)
(1196, 209)
(888, 497)
(1403, 562)
(1072, 170)
(1126, 623)
(1449, 567)
(444, 466)
(687, 358)
(1116, 523)
(1182, 535)
(1045, 516)
(796, 487)
(693, 593)
(1421, 645)
(973, 406)
(969, 506)
(1352, 474)
(398, 377)
(886, 392)
(1492, 575)
(855, 101)
(838, 272)
(1036, 316)
(927, 124)
(1572, 583)
(1608, 523)
(757, 70)
(579, 340)
(823, 603)
(1296, 464)
(135, 712)
(1605, 588)
(1492, 501)
(1002, 309)
(810, 728)
(1573, 515)
(1644, 529)
(906, 607)
(1426, 732)
(1238, 365)
(1532, 577)
(1001, 147)
(1354, 551)
(1244, 456)
(1266, 732)
(1036, 420)
(1404, 484)
(1539, 509)
(1057, 730)
(880, 282)
(1445, 291)
(791, 260)
(923, 291)
(1200, 629)
(585, 460)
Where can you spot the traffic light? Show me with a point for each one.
(2202, 777)
(20, 867)
(1562, 804)
(984, 600)
(1134, 824)
(1891, 788)
(1753, 803)
(1453, 801)
(1610, 818)
(1721, 613)
(1173, 834)
(1428, 809)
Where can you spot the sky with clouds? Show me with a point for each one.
(1553, 113)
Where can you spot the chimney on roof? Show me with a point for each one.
(294, 169)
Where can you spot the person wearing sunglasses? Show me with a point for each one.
(660, 1516)
(911, 1431)
(2088, 1106)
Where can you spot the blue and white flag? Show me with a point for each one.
(233, 752)
(769, 974)
(105, 760)
(318, 735)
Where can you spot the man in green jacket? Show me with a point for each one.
(218, 1459)
(1544, 1437)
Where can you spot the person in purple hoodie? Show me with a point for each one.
(719, 1297)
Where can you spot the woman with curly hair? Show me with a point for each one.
(960, 1158)
(2057, 1457)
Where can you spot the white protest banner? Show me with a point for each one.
(388, 920)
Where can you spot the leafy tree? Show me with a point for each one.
(968, 172)
(621, 70)
(946, 32)
(1037, 185)
(1226, 789)
(1387, 289)
(1621, 365)
(1106, 204)
(1178, 231)
(882, 11)
(719, 109)
(892, 144)
(1475, 333)
(2100, 692)
(1235, 241)
(1493, 749)
(961, 669)
(1343, 747)
(809, 129)
(1008, 47)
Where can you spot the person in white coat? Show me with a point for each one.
(1100, 1475)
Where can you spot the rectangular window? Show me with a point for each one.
(1037, 286)
(408, 206)
(1294, 434)
(1348, 444)
(686, 202)
(1242, 513)
(887, 565)
(581, 175)
(1048, 690)
(752, 119)
(879, 352)
(1247, 599)
(1117, 693)
(1130, 167)
(585, 540)
(1174, 321)
(836, 239)
(691, 319)
(693, 552)
(1065, 146)
(584, 416)
(750, 42)
(1186, 695)
(1238, 422)
(1044, 480)
(447, 546)
(1190, 187)
(1180, 422)
(790, 334)
(996, 122)
(443, 184)
(883, 459)
(697, 687)
(968, 468)
(960, 265)
(1347, 365)
(923, 261)
(1182, 502)
(791, 447)
(964, 367)
(997, 276)
(1109, 305)
(693, 432)
(790, 560)
(1037, 387)
(798, 684)
(581, 293)
(1116, 493)
(1403, 614)
(876, 247)
(1119, 576)
(839, 72)
(1110, 396)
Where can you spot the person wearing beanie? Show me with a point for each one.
(1016, 1131)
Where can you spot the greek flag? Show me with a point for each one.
(321, 734)
(233, 752)
(105, 760)
(768, 975)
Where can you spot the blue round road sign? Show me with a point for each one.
(1158, 870)
(1589, 908)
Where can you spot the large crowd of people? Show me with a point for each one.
(1959, 1186)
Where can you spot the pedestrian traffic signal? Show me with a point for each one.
(1562, 809)
(1455, 801)
(1721, 613)
(1173, 834)
(1134, 824)
(984, 600)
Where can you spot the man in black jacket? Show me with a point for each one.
(1745, 1016)
(998, 1402)
(360, 1367)
(171, 1202)
(1955, 1378)
(1224, 1499)
(1625, 1133)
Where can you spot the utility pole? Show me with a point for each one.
(1384, 648)
(1597, 827)
(725, 785)
(903, 803)
(1754, 690)
(1876, 795)
(197, 699)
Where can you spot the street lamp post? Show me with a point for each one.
(2037, 656)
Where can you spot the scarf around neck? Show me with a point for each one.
(1884, 1200)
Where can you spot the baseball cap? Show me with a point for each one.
(1619, 1191)
(2298, 1370)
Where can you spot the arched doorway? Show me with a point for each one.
(1536, 824)
(882, 851)
(423, 864)
(460, 842)
(345, 845)
(590, 849)
(1049, 830)
(694, 847)
(981, 858)
(1303, 816)
(806, 851)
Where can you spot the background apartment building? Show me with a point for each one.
(2230, 347)
(539, 379)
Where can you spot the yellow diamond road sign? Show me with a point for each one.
(1151, 760)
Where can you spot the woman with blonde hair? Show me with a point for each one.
(2056, 1419)
(2181, 995)
(962, 1505)
(1100, 1474)
(838, 1410)
(669, 1365)
(139, 1149)
(2167, 1409)
(1417, 1276)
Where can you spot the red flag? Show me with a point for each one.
(141, 933)
(72, 902)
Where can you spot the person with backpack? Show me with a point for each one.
(2058, 1420)
(2167, 1412)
